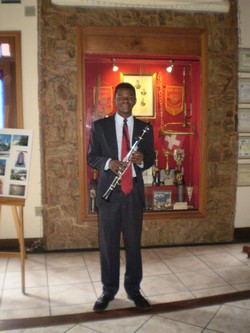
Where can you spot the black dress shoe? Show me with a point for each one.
(102, 303)
(140, 302)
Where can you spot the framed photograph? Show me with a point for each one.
(162, 199)
(145, 93)
(243, 175)
(244, 90)
(244, 60)
(244, 120)
(244, 147)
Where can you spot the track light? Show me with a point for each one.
(115, 68)
(170, 67)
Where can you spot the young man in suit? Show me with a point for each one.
(124, 211)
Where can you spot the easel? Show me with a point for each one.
(16, 205)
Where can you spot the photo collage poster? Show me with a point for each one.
(15, 155)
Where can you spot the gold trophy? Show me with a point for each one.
(167, 153)
(179, 156)
(156, 171)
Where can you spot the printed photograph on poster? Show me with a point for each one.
(4, 144)
(15, 155)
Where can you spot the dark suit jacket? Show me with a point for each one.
(103, 145)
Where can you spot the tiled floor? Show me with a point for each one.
(69, 283)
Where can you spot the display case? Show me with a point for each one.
(171, 95)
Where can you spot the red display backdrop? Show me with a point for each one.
(174, 108)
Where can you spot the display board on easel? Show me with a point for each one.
(15, 156)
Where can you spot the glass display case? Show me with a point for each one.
(171, 96)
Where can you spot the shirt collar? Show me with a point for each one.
(119, 119)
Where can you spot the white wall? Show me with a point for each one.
(12, 18)
(242, 217)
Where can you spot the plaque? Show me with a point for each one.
(244, 147)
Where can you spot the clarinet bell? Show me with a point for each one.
(106, 196)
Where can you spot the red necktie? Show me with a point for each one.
(126, 180)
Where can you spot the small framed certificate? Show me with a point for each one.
(244, 60)
(244, 90)
(243, 175)
(244, 120)
(244, 147)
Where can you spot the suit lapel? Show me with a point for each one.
(111, 135)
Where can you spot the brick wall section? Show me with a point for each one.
(59, 122)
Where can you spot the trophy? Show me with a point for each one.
(156, 171)
(92, 192)
(190, 195)
(179, 156)
(167, 153)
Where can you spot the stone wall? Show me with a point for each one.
(59, 122)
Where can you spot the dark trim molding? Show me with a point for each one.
(242, 235)
(13, 245)
(11, 324)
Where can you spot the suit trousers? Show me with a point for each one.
(122, 215)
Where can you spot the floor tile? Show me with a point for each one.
(2, 277)
(32, 262)
(72, 294)
(161, 284)
(219, 260)
(32, 279)
(91, 258)
(14, 299)
(237, 275)
(214, 291)
(65, 260)
(230, 319)
(198, 317)
(158, 324)
(205, 249)
(181, 264)
(62, 276)
(173, 297)
(121, 325)
(167, 252)
(156, 267)
(3, 264)
(70, 282)
(202, 280)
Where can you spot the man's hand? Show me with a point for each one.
(137, 157)
(115, 165)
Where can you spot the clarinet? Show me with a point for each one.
(127, 160)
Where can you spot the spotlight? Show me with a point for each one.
(170, 67)
(115, 68)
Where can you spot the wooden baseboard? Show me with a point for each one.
(242, 234)
(30, 243)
